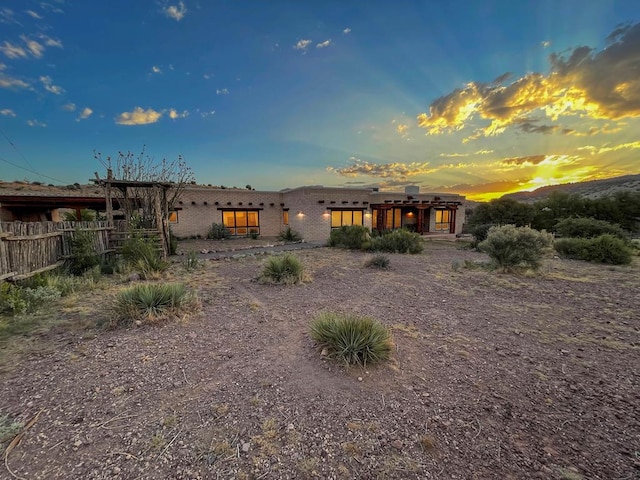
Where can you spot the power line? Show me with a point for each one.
(16, 148)
(31, 171)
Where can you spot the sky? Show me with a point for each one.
(479, 98)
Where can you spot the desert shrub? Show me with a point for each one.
(142, 254)
(510, 247)
(289, 235)
(603, 249)
(353, 237)
(83, 252)
(378, 261)
(352, 339)
(398, 241)
(587, 228)
(191, 262)
(286, 269)
(18, 300)
(217, 231)
(479, 233)
(150, 302)
(9, 428)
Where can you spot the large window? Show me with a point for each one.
(341, 218)
(241, 222)
(443, 220)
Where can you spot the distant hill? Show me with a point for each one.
(592, 189)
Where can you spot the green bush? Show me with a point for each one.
(587, 228)
(18, 300)
(286, 269)
(511, 247)
(352, 339)
(398, 241)
(142, 254)
(84, 256)
(289, 235)
(218, 231)
(150, 302)
(480, 233)
(603, 249)
(378, 261)
(353, 237)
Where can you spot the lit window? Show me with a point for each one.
(443, 220)
(241, 222)
(285, 217)
(173, 216)
(340, 218)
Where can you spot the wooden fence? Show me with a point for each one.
(30, 248)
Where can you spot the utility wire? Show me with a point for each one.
(16, 148)
(31, 171)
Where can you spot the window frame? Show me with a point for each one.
(441, 225)
(238, 230)
(343, 211)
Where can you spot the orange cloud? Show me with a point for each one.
(603, 85)
(394, 170)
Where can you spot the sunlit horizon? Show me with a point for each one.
(278, 96)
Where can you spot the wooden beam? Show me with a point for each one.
(35, 272)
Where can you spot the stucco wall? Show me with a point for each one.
(309, 208)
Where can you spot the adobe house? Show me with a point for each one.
(314, 210)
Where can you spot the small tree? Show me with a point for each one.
(510, 247)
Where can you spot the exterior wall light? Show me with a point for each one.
(301, 213)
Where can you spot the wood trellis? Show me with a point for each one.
(159, 204)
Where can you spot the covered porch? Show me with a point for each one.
(423, 218)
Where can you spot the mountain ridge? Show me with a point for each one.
(589, 189)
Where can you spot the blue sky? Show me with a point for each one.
(479, 98)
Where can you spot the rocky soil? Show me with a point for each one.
(493, 376)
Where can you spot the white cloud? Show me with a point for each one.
(51, 42)
(222, 91)
(36, 49)
(155, 69)
(174, 114)
(324, 44)
(86, 113)
(7, 16)
(7, 112)
(138, 116)
(36, 123)
(177, 12)
(545, 44)
(49, 86)
(206, 114)
(13, 51)
(302, 45)
(346, 31)
(9, 82)
(34, 14)
(69, 107)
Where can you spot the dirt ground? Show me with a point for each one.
(494, 376)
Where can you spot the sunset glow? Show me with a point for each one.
(289, 94)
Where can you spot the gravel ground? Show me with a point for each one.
(493, 376)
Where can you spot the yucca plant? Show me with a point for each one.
(287, 269)
(378, 261)
(150, 301)
(352, 339)
(142, 254)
